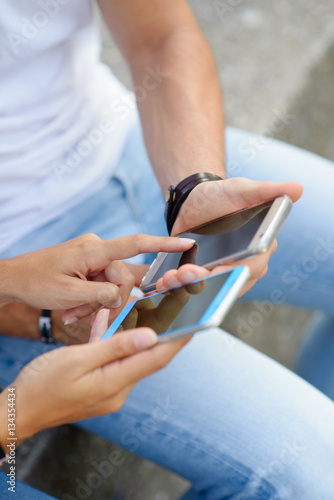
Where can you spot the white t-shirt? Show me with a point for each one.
(64, 117)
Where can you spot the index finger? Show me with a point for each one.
(129, 246)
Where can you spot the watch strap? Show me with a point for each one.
(177, 195)
(45, 327)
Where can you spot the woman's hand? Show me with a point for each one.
(80, 275)
(77, 382)
(21, 320)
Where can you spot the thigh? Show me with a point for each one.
(302, 270)
(230, 420)
(227, 418)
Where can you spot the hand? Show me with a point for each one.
(189, 272)
(78, 382)
(211, 200)
(75, 275)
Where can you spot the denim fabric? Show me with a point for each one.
(227, 418)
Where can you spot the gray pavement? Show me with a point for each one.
(272, 58)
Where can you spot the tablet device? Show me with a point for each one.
(184, 310)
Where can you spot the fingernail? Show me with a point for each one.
(196, 287)
(70, 321)
(173, 283)
(144, 339)
(187, 277)
(118, 303)
(188, 240)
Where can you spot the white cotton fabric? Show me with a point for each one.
(64, 117)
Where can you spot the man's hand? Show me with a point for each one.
(211, 200)
(81, 275)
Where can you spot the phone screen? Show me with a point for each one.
(218, 239)
(177, 308)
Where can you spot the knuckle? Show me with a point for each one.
(91, 237)
(108, 294)
(130, 281)
(127, 276)
(165, 240)
(138, 238)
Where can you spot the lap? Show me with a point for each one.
(225, 417)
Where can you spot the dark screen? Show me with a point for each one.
(176, 309)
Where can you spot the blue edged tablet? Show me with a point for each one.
(185, 310)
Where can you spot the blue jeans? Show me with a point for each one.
(233, 422)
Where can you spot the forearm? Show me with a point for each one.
(182, 113)
(20, 320)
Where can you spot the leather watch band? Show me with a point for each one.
(177, 195)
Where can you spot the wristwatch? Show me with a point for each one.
(177, 195)
(45, 327)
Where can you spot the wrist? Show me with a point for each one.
(204, 203)
(20, 320)
(177, 195)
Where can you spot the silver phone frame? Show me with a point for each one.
(217, 317)
(260, 243)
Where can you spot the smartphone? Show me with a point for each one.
(184, 310)
(225, 240)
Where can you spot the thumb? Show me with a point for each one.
(119, 346)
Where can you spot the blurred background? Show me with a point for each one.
(275, 62)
